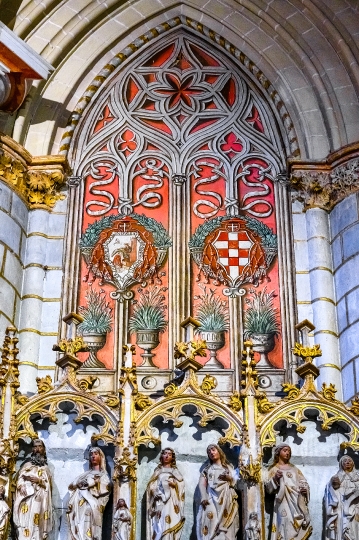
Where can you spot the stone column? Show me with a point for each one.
(285, 258)
(72, 257)
(323, 296)
(179, 259)
(236, 336)
(320, 187)
(122, 304)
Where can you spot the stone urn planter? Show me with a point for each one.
(147, 340)
(214, 342)
(263, 344)
(95, 342)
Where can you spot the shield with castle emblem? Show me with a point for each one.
(123, 251)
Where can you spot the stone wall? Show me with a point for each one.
(13, 227)
(344, 225)
(31, 273)
(41, 294)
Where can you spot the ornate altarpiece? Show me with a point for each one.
(177, 190)
(248, 420)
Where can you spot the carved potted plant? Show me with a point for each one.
(148, 320)
(97, 321)
(212, 313)
(261, 323)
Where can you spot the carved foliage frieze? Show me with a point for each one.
(324, 188)
(38, 180)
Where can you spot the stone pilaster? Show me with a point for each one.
(320, 186)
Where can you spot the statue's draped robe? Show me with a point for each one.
(122, 528)
(4, 519)
(87, 505)
(165, 505)
(32, 513)
(219, 520)
(291, 518)
(342, 507)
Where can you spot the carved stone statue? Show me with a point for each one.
(32, 510)
(291, 518)
(165, 500)
(253, 529)
(341, 500)
(218, 513)
(4, 514)
(122, 521)
(90, 494)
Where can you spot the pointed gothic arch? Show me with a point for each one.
(183, 134)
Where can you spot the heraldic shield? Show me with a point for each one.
(234, 251)
(123, 251)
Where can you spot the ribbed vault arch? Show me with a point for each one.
(304, 48)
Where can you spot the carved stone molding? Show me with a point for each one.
(323, 185)
(38, 180)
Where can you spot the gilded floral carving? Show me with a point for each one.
(38, 180)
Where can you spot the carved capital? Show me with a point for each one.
(38, 180)
(179, 179)
(73, 181)
(43, 187)
(323, 186)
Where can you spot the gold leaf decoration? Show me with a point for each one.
(264, 405)
(44, 384)
(291, 390)
(235, 402)
(355, 406)
(72, 346)
(142, 401)
(87, 384)
(209, 382)
(199, 348)
(112, 400)
(40, 184)
(329, 391)
(181, 349)
(307, 353)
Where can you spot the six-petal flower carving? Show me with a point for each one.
(179, 90)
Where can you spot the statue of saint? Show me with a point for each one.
(218, 513)
(4, 513)
(165, 500)
(32, 510)
(253, 529)
(291, 518)
(90, 494)
(342, 503)
(122, 521)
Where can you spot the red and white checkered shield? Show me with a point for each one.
(233, 248)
